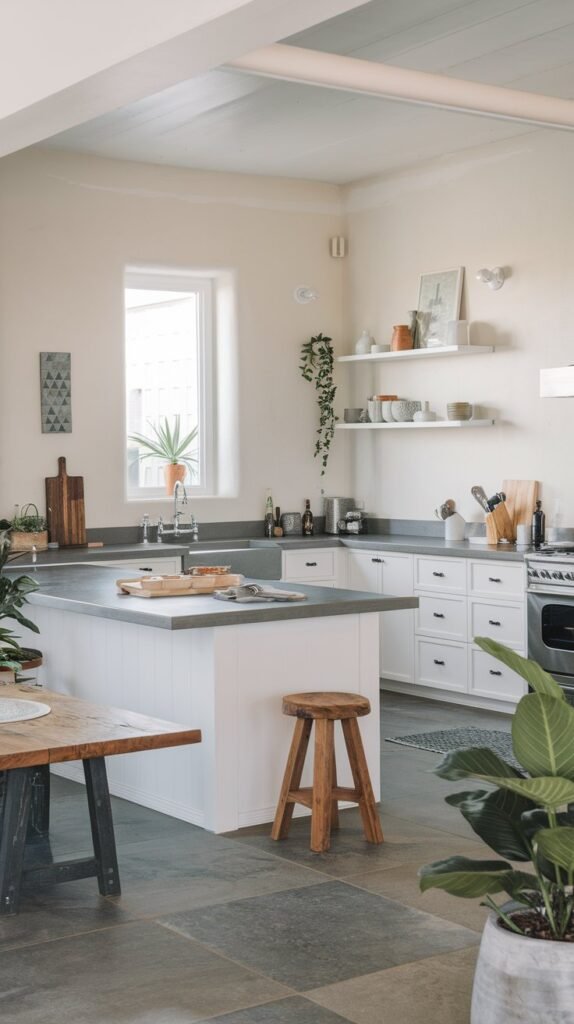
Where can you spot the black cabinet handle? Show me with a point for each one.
(145, 568)
(437, 661)
(493, 622)
(495, 672)
(310, 564)
(377, 560)
(438, 615)
(438, 573)
(494, 579)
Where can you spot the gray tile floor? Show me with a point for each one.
(240, 930)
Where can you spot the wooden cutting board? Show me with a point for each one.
(65, 508)
(521, 498)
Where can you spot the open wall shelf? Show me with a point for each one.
(429, 425)
(419, 353)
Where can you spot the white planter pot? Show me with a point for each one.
(522, 981)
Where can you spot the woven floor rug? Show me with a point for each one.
(454, 739)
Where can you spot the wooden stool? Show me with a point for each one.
(325, 709)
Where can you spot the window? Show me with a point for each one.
(169, 342)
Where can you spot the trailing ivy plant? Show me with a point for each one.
(317, 362)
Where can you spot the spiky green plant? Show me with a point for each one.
(13, 595)
(527, 815)
(168, 444)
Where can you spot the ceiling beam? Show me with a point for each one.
(368, 78)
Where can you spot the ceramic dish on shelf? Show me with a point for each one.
(404, 410)
(459, 411)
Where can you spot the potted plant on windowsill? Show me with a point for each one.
(13, 595)
(167, 444)
(525, 970)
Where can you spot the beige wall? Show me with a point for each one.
(68, 226)
(510, 204)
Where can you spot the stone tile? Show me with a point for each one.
(295, 1010)
(52, 911)
(315, 936)
(179, 874)
(401, 883)
(436, 990)
(135, 973)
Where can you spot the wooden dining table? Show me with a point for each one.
(72, 730)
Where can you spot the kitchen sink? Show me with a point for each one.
(250, 557)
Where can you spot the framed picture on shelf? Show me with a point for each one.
(439, 302)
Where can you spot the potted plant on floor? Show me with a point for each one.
(525, 970)
(13, 595)
(167, 443)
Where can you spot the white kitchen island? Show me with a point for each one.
(211, 665)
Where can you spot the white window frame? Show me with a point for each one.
(203, 286)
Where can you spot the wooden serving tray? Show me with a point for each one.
(177, 586)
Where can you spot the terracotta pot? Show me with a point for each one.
(520, 980)
(174, 471)
(402, 338)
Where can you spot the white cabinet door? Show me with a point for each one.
(490, 678)
(364, 570)
(441, 664)
(397, 628)
(145, 564)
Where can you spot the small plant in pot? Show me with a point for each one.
(14, 592)
(525, 970)
(28, 529)
(168, 444)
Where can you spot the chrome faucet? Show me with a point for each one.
(145, 529)
(177, 530)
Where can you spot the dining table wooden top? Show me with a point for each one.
(78, 730)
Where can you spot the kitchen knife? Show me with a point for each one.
(479, 494)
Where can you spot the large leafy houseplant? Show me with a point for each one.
(317, 364)
(14, 592)
(526, 816)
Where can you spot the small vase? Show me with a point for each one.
(424, 415)
(402, 338)
(174, 471)
(363, 344)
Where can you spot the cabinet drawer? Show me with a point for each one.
(490, 678)
(497, 579)
(145, 564)
(503, 622)
(441, 664)
(446, 574)
(442, 615)
(319, 564)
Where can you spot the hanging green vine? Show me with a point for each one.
(316, 367)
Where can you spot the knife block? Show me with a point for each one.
(499, 525)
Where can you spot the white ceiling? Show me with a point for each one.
(228, 121)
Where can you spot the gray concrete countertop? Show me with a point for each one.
(65, 556)
(91, 590)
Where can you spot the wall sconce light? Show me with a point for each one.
(493, 278)
(302, 295)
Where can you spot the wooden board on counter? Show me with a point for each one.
(521, 498)
(65, 508)
(177, 586)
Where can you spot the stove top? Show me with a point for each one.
(551, 568)
(558, 551)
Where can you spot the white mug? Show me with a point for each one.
(523, 534)
(457, 332)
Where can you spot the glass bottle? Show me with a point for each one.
(269, 522)
(538, 526)
(308, 527)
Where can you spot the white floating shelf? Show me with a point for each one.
(419, 353)
(429, 425)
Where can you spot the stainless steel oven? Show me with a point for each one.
(550, 609)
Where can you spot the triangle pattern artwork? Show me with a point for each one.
(56, 392)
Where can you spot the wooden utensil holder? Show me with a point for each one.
(499, 525)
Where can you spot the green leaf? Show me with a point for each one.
(557, 845)
(476, 762)
(467, 878)
(535, 676)
(543, 735)
(549, 791)
(497, 818)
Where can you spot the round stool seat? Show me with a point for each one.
(326, 704)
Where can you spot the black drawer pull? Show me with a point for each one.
(494, 579)
(495, 672)
(493, 622)
(438, 615)
(437, 661)
(310, 564)
(145, 568)
(438, 573)
(376, 559)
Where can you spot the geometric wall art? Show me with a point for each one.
(56, 392)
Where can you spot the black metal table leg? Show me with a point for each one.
(16, 813)
(102, 826)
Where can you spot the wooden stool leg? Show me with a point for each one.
(292, 777)
(322, 801)
(16, 813)
(334, 803)
(361, 778)
(103, 838)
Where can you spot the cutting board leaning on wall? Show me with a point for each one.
(65, 508)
